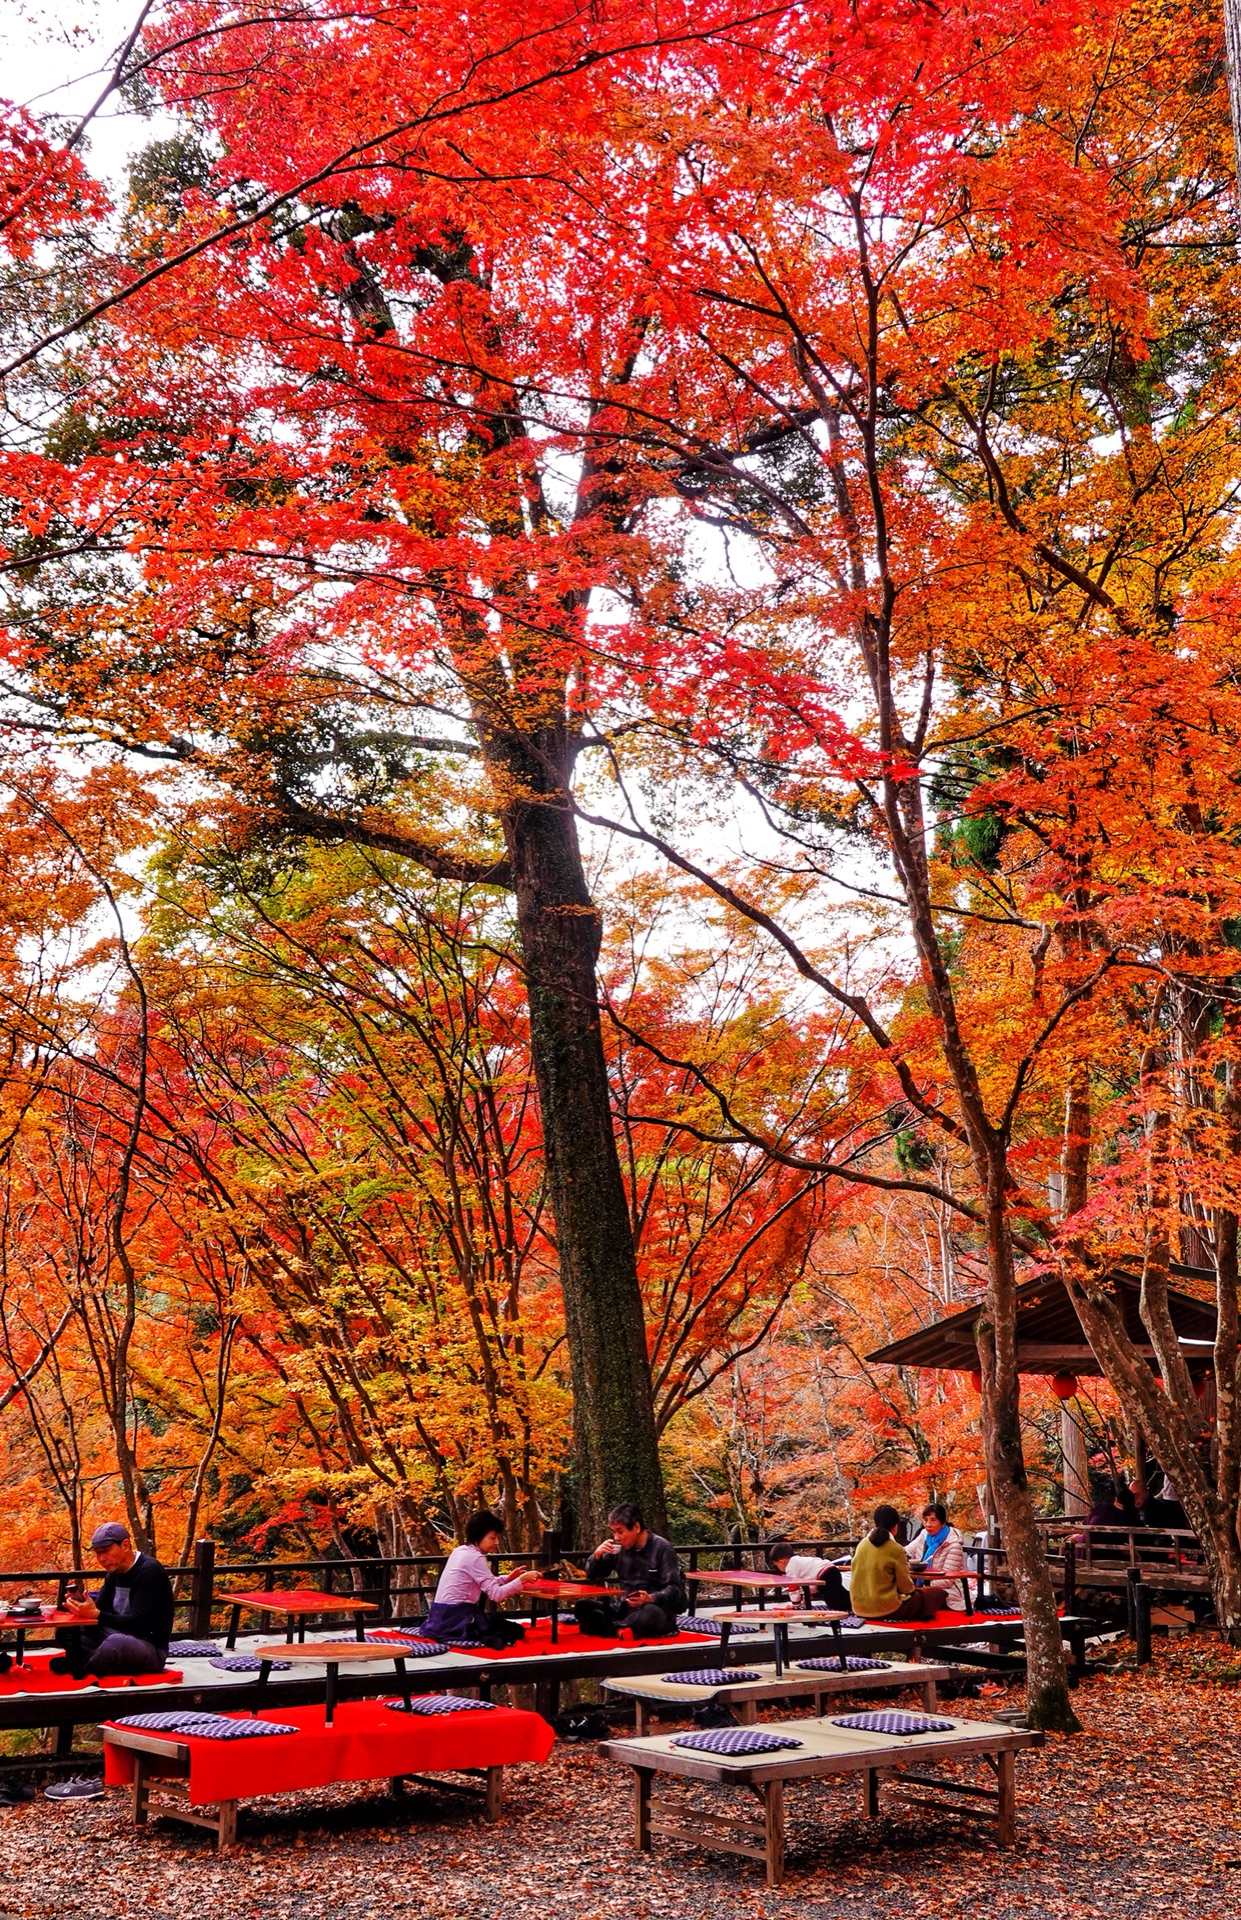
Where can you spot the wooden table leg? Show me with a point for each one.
(329, 1693)
(359, 1626)
(397, 1785)
(234, 1621)
(140, 1791)
(641, 1719)
(547, 1698)
(870, 1792)
(930, 1695)
(402, 1677)
(493, 1799)
(227, 1828)
(749, 1713)
(642, 1777)
(1007, 1823)
(773, 1828)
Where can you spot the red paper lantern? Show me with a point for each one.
(1064, 1385)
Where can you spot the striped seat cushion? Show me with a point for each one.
(435, 1703)
(902, 1723)
(736, 1740)
(204, 1726)
(711, 1677)
(854, 1663)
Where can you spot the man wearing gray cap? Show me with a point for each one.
(126, 1626)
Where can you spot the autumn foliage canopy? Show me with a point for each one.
(622, 739)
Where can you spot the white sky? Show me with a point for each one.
(54, 60)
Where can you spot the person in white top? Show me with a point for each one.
(939, 1549)
(823, 1582)
(457, 1613)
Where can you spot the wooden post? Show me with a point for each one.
(642, 1777)
(140, 1790)
(1076, 1473)
(227, 1829)
(641, 1719)
(1070, 1576)
(870, 1792)
(1142, 1611)
(202, 1589)
(773, 1831)
(1141, 1492)
(1007, 1822)
(930, 1696)
(493, 1798)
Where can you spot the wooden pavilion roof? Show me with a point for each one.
(1049, 1334)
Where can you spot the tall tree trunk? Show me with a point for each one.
(1232, 47)
(615, 1445)
(1048, 1704)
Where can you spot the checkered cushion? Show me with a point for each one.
(194, 1649)
(711, 1677)
(248, 1663)
(736, 1740)
(997, 1612)
(904, 1723)
(710, 1629)
(441, 1703)
(852, 1620)
(854, 1663)
(204, 1726)
(406, 1648)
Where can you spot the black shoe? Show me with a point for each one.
(77, 1789)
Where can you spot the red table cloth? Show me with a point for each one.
(537, 1641)
(33, 1676)
(367, 1741)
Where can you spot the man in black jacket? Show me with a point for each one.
(126, 1626)
(651, 1590)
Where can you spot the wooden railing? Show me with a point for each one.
(401, 1586)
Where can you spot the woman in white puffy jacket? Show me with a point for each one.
(939, 1550)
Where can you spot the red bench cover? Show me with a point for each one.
(947, 1618)
(366, 1741)
(33, 1677)
(538, 1640)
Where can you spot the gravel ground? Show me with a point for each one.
(1138, 1816)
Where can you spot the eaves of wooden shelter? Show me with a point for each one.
(1049, 1334)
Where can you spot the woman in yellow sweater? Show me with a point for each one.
(881, 1587)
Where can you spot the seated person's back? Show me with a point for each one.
(881, 1586)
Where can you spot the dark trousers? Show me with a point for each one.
(831, 1590)
(101, 1651)
(922, 1604)
(459, 1620)
(604, 1617)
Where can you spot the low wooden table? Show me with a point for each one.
(650, 1690)
(334, 1654)
(558, 1590)
(823, 1749)
(298, 1604)
(780, 1619)
(23, 1624)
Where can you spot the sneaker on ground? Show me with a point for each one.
(77, 1789)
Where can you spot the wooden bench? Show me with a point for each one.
(657, 1689)
(203, 1781)
(823, 1749)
